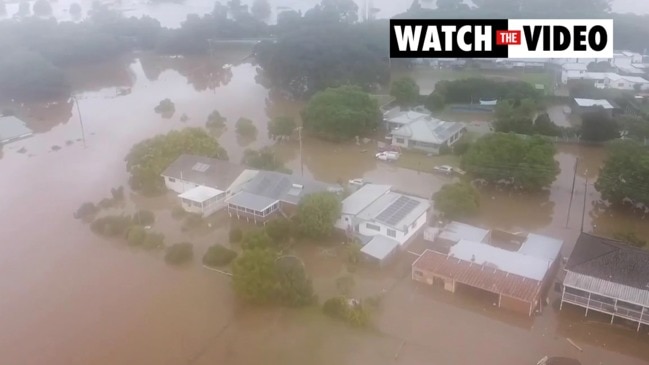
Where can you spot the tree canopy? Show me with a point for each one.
(405, 91)
(513, 161)
(263, 159)
(625, 175)
(598, 126)
(517, 117)
(317, 214)
(457, 201)
(148, 159)
(341, 114)
(471, 90)
(281, 127)
(245, 127)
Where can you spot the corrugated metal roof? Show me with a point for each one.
(12, 128)
(429, 130)
(456, 231)
(363, 197)
(542, 247)
(203, 170)
(607, 288)
(251, 201)
(508, 261)
(384, 202)
(479, 276)
(594, 102)
(200, 194)
(284, 187)
(380, 247)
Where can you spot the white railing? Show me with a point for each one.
(607, 307)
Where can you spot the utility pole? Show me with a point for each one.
(572, 191)
(583, 213)
(299, 131)
(83, 133)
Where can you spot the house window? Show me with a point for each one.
(399, 140)
(392, 233)
(373, 227)
(171, 179)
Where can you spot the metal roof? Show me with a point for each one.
(12, 128)
(479, 276)
(397, 116)
(508, 261)
(393, 217)
(363, 197)
(593, 102)
(380, 247)
(251, 201)
(203, 170)
(607, 288)
(542, 247)
(429, 130)
(200, 194)
(284, 187)
(456, 231)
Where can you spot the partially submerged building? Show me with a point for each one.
(13, 129)
(270, 193)
(590, 105)
(608, 276)
(515, 279)
(385, 221)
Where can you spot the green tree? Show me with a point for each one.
(625, 174)
(28, 76)
(42, 8)
(456, 201)
(405, 91)
(597, 126)
(236, 235)
(218, 255)
(294, 288)
(148, 159)
(281, 127)
(279, 230)
(516, 162)
(333, 11)
(435, 101)
(179, 253)
(263, 159)
(153, 240)
(635, 127)
(245, 127)
(341, 114)
(544, 126)
(166, 108)
(257, 239)
(261, 9)
(317, 214)
(136, 235)
(215, 120)
(254, 276)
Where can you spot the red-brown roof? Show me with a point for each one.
(479, 276)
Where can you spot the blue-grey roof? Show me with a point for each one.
(380, 247)
(205, 171)
(429, 130)
(363, 197)
(251, 201)
(284, 187)
(395, 210)
(12, 128)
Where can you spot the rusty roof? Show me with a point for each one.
(479, 276)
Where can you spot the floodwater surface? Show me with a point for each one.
(69, 297)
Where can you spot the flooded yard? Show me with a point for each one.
(81, 299)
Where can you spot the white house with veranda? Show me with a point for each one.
(203, 184)
(383, 220)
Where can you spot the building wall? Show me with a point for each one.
(414, 144)
(515, 305)
(344, 222)
(401, 237)
(431, 279)
(177, 185)
(204, 211)
(288, 208)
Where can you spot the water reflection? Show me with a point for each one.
(199, 71)
(515, 211)
(42, 117)
(115, 73)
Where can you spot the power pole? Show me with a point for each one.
(299, 131)
(572, 191)
(83, 133)
(583, 213)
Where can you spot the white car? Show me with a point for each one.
(387, 156)
(444, 169)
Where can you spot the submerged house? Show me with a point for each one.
(203, 184)
(13, 129)
(383, 220)
(608, 276)
(515, 279)
(428, 134)
(270, 193)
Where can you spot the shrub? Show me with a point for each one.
(166, 106)
(350, 311)
(179, 253)
(460, 147)
(215, 120)
(335, 307)
(279, 230)
(236, 235)
(136, 235)
(218, 255)
(144, 217)
(86, 210)
(245, 127)
(111, 225)
(153, 240)
(257, 239)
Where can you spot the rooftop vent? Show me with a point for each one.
(200, 167)
(298, 186)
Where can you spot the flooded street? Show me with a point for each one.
(69, 297)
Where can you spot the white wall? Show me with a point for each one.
(177, 185)
(343, 222)
(402, 237)
(205, 211)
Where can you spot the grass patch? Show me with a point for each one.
(421, 162)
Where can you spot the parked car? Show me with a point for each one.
(387, 156)
(443, 169)
(389, 148)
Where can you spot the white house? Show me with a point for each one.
(382, 219)
(607, 80)
(204, 183)
(428, 134)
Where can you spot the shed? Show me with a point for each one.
(380, 248)
(13, 129)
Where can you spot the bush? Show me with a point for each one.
(144, 217)
(279, 230)
(86, 210)
(111, 225)
(335, 307)
(350, 311)
(245, 127)
(153, 240)
(218, 255)
(215, 120)
(179, 253)
(165, 107)
(257, 239)
(236, 235)
(136, 235)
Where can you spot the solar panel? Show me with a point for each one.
(200, 167)
(397, 210)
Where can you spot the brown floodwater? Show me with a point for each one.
(69, 297)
